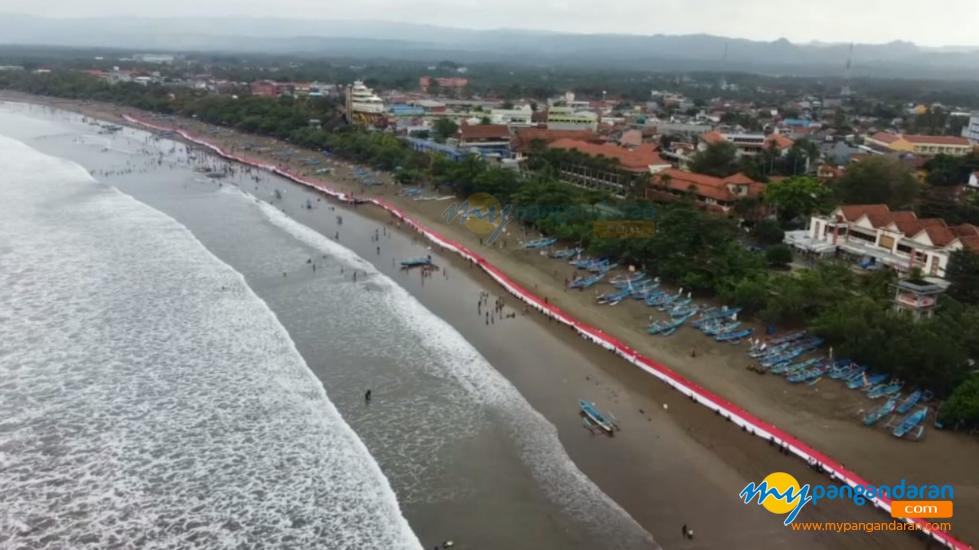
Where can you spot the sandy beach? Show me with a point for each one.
(678, 462)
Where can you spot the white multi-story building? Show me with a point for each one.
(971, 130)
(516, 117)
(566, 118)
(899, 240)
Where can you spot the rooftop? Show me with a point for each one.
(939, 233)
(484, 131)
(635, 160)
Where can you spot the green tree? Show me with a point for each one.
(407, 176)
(878, 180)
(750, 293)
(778, 256)
(444, 128)
(718, 159)
(797, 196)
(963, 274)
(962, 406)
(945, 170)
(768, 232)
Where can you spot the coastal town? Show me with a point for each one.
(818, 238)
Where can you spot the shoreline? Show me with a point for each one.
(690, 388)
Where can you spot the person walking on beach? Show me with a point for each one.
(367, 399)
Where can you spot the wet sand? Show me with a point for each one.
(822, 415)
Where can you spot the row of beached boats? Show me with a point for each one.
(783, 355)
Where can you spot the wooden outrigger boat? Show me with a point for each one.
(874, 416)
(910, 422)
(416, 262)
(595, 419)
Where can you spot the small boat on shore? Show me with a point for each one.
(540, 243)
(875, 415)
(595, 418)
(884, 390)
(909, 402)
(613, 298)
(416, 262)
(666, 328)
(810, 374)
(586, 282)
(566, 253)
(733, 337)
(910, 422)
(863, 381)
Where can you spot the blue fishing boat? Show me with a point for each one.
(787, 355)
(566, 253)
(875, 415)
(666, 328)
(788, 367)
(594, 417)
(715, 314)
(675, 300)
(624, 281)
(613, 298)
(863, 380)
(910, 422)
(539, 243)
(644, 290)
(732, 337)
(586, 282)
(884, 390)
(811, 373)
(844, 369)
(416, 262)
(657, 298)
(909, 402)
(760, 350)
(720, 327)
(683, 310)
(584, 263)
(602, 267)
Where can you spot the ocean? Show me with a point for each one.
(184, 361)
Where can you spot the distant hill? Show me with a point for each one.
(430, 43)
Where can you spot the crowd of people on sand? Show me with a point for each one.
(497, 311)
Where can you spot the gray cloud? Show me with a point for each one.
(944, 22)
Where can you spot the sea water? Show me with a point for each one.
(148, 398)
(467, 456)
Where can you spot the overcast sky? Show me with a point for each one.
(933, 23)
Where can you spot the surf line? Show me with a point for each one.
(727, 409)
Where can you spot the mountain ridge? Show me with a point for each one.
(339, 38)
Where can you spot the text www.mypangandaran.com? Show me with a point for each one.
(848, 526)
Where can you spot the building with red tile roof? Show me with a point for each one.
(487, 138)
(710, 193)
(524, 138)
(625, 173)
(475, 133)
(897, 239)
(641, 159)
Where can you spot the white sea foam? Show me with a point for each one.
(148, 398)
(456, 359)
